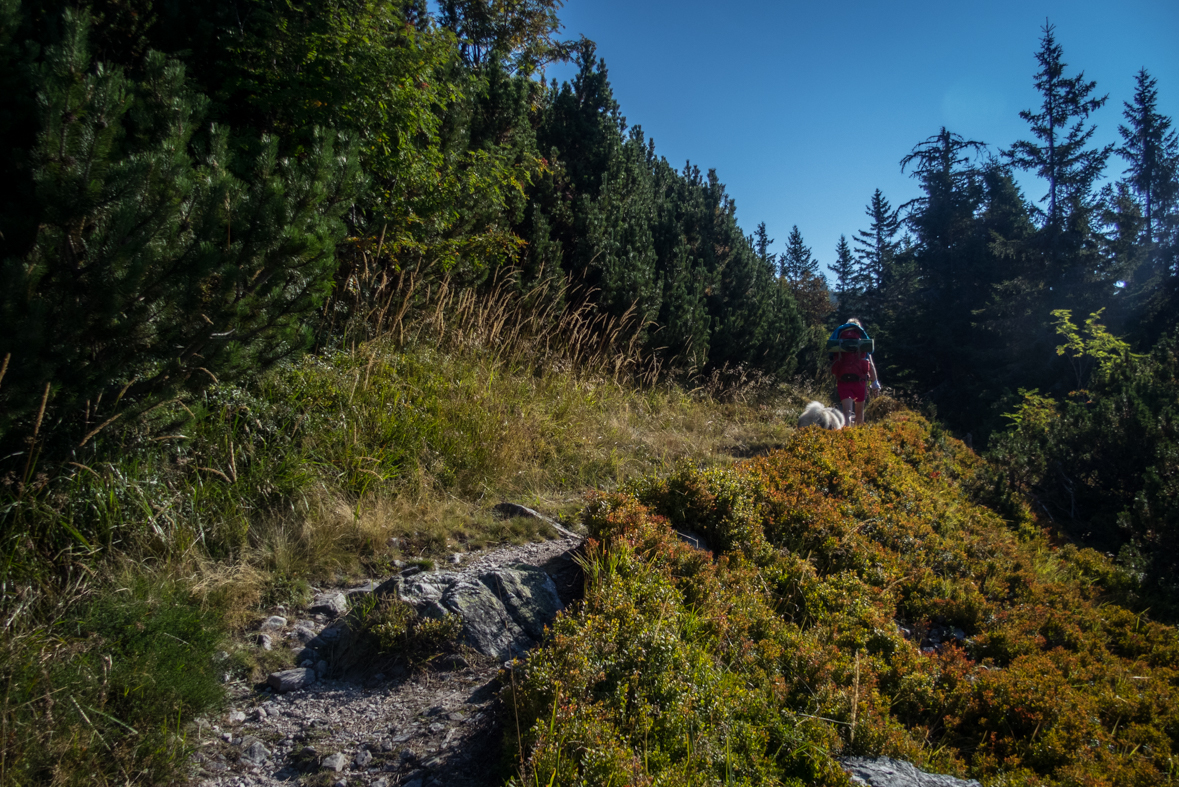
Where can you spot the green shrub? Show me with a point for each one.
(873, 608)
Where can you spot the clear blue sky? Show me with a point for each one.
(805, 108)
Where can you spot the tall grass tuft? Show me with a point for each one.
(98, 685)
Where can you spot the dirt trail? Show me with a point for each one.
(419, 730)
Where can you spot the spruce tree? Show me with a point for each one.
(1151, 149)
(798, 263)
(847, 278)
(1062, 155)
(876, 247)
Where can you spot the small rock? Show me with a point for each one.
(456, 559)
(291, 679)
(363, 758)
(387, 745)
(335, 762)
(456, 716)
(361, 590)
(264, 641)
(306, 759)
(255, 751)
(258, 714)
(302, 634)
(332, 604)
(235, 717)
(437, 727)
(273, 622)
(381, 782)
(333, 632)
(411, 571)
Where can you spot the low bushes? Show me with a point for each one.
(860, 603)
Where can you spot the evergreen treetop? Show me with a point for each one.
(1061, 155)
(798, 262)
(1151, 150)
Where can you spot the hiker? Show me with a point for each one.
(853, 368)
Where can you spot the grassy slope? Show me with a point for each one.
(756, 667)
(328, 468)
(861, 603)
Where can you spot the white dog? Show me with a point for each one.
(826, 417)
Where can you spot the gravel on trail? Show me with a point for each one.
(418, 729)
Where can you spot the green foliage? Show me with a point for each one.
(1100, 462)
(1062, 155)
(102, 693)
(1102, 347)
(397, 631)
(518, 33)
(859, 603)
(154, 269)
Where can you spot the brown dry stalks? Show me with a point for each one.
(553, 323)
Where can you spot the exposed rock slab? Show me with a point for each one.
(887, 772)
(487, 625)
(441, 727)
(504, 612)
(528, 594)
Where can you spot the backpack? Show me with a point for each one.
(850, 338)
(848, 345)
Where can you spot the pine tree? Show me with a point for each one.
(797, 263)
(617, 248)
(1151, 148)
(761, 244)
(154, 268)
(847, 278)
(1062, 155)
(876, 247)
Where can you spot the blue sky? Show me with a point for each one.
(804, 109)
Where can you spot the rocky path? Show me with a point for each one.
(436, 727)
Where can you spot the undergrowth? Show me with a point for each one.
(330, 467)
(101, 689)
(860, 602)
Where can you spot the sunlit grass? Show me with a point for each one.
(326, 470)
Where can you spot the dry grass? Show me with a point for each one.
(334, 467)
(511, 434)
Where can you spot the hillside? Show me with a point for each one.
(861, 602)
(293, 295)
